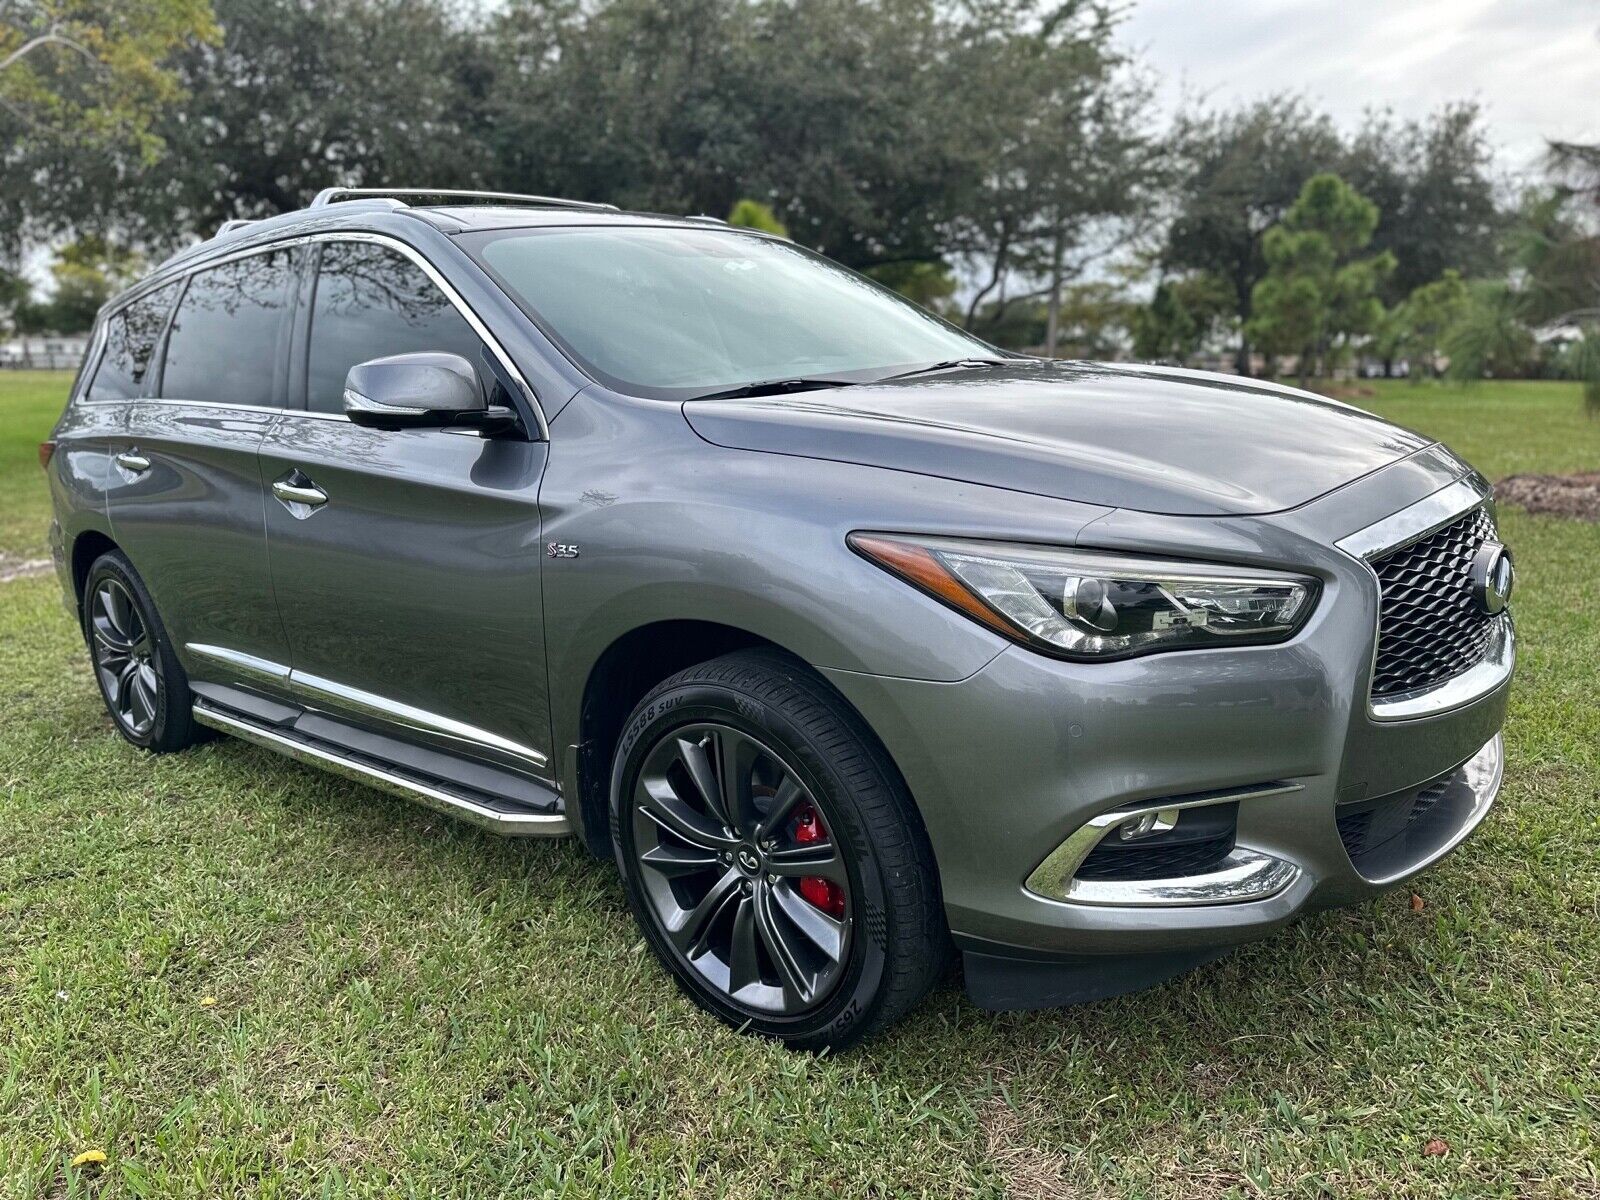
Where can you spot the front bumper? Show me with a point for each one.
(1023, 768)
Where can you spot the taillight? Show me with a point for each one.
(47, 451)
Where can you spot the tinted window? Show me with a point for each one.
(675, 311)
(130, 344)
(371, 302)
(225, 336)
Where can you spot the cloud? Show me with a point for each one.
(1533, 64)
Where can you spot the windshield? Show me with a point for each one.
(674, 313)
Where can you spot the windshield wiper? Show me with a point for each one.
(948, 364)
(776, 387)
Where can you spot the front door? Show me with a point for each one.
(405, 564)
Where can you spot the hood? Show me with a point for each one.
(1153, 439)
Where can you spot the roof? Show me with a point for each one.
(349, 208)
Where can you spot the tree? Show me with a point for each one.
(94, 71)
(1239, 172)
(841, 109)
(1490, 338)
(1181, 317)
(752, 214)
(1436, 195)
(1418, 327)
(87, 273)
(15, 292)
(1317, 295)
(287, 102)
(930, 284)
(1056, 127)
(81, 82)
(1559, 248)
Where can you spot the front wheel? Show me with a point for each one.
(772, 855)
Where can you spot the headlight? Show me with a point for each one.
(1093, 605)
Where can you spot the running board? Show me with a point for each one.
(509, 822)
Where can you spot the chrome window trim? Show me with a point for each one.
(1395, 532)
(91, 368)
(348, 235)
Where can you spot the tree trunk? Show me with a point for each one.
(995, 275)
(1241, 360)
(1052, 326)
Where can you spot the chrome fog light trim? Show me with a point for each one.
(1243, 875)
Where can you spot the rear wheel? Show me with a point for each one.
(772, 855)
(144, 688)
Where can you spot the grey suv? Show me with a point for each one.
(852, 640)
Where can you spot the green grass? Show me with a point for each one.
(405, 1006)
(30, 402)
(1505, 428)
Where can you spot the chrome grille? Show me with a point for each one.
(1429, 627)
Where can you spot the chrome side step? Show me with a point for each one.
(509, 822)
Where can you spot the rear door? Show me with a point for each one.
(410, 590)
(189, 507)
(91, 431)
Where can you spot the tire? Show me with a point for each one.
(143, 686)
(731, 885)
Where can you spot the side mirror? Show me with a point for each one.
(420, 391)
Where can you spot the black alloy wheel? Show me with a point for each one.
(772, 855)
(125, 658)
(140, 678)
(740, 870)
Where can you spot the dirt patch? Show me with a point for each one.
(1030, 1172)
(1576, 496)
(12, 567)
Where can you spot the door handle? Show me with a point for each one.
(130, 460)
(308, 494)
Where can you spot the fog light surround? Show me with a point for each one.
(1241, 876)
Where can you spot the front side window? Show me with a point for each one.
(131, 336)
(225, 340)
(372, 301)
(675, 312)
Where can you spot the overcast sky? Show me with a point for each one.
(1534, 64)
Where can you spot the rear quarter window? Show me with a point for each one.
(131, 336)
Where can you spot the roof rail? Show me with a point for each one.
(334, 195)
(705, 217)
(234, 223)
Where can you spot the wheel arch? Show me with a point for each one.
(620, 677)
(86, 548)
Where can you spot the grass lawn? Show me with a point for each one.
(405, 1006)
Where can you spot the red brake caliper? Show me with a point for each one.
(817, 891)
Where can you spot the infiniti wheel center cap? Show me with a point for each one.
(748, 859)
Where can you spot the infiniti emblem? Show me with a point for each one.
(1493, 577)
(749, 861)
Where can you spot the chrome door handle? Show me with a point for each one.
(294, 493)
(130, 461)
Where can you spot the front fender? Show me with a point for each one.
(668, 527)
